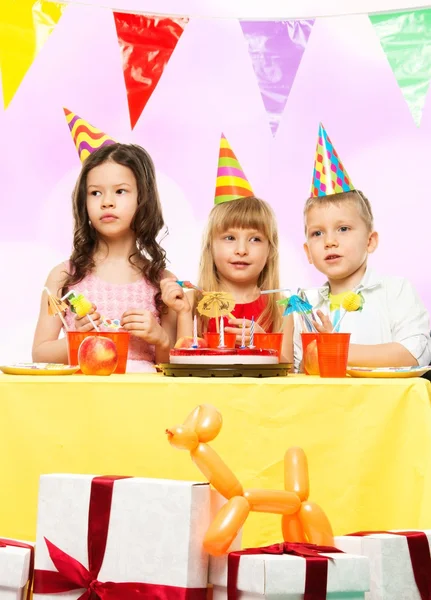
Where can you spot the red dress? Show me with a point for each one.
(248, 310)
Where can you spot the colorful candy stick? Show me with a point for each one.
(251, 343)
(195, 332)
(221, 342)
(243, 333)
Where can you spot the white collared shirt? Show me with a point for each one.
(392, 312)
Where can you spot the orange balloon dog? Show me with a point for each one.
(301, 520)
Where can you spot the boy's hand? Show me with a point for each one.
(143, 324)
(83, 323)
(326, 325)
(173, 295)
(235, 326)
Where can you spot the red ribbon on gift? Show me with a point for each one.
(4, 542)
(316, 566)
(72, 575)
(420, 557)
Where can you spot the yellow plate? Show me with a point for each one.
(387, 372)
(39, 369)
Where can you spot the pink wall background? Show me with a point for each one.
(209, 86)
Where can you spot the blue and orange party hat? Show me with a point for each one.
(231, 182)
(329, 176)
(87, 138)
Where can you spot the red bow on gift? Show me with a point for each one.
(420, 558)
(316, 566)
(4, 543)
(72, 575)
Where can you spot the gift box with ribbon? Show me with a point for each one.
(16, 569)
(114, 538)
(290, 571)
(400, 562)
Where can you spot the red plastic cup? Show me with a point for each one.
(269, 341)
(307, 338)
(213, 340)
(333, 352)
(121, 339)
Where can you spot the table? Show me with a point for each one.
(368, 441)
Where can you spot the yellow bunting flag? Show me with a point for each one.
(25, 26)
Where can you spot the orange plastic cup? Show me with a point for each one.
(213, 340)
(121, 339)
(333, 352)
(269, 341)
(307, 338)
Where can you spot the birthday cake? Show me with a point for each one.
(223, 356)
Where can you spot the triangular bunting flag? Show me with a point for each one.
(405, 38)
(231, 183)
(87, 138)
(24, 28)
(146, 44)
(276, 49)
(329, 175)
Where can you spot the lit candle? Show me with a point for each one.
(195, 332)
(251, 344)
(221, 342)
(243, 333)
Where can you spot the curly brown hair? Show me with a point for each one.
(146, 223)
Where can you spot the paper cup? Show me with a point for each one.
(333, 352)
(269, 341)
(213, 340)
(121, 339)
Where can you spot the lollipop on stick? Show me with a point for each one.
(56, 306)
(80, 305)
(352, 302)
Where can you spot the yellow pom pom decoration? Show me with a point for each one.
(352, 302)
(80, 305)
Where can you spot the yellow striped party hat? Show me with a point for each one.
(87, 138)
(231, 182)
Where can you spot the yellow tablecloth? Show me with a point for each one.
(368, 441)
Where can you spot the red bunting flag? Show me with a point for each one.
(146, 44)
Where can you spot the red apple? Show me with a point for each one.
(97, 355)
(311, 360)
(187, 342)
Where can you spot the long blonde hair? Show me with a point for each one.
(245, 213)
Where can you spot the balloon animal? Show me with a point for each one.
(301, 520)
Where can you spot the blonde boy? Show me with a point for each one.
(393, 327)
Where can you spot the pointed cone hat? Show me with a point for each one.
(231, 182)
(329, 175)
(87, 138)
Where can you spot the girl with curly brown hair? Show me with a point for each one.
(116, 260)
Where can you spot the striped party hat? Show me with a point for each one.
(86, 137)
(329, 175)
(231, 182)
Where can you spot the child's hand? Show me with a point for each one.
(325, 326)
(173, 295)
(235, 326)
(84, 324)
(143, 324)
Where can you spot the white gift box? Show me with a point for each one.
(283, 576)
(155, 534)
(14, 571)
(391, 570)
